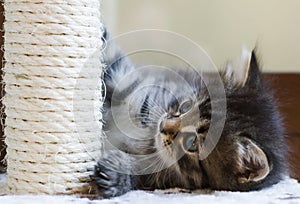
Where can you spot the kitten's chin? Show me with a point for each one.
(164, 152)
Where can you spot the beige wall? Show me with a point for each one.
(220, 27)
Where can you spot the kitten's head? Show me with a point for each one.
(250, 152)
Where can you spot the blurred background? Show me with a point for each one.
(222, 28)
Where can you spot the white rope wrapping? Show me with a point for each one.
(53, 94)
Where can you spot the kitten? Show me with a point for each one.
(158, 131)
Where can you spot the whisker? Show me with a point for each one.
(143, 117)
(155, 163)
(161, 109)
(157, 111)
(154, 112)
(146, 115)
(148, 121)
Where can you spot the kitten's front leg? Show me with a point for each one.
(112, 174)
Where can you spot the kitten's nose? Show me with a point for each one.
(170, 126)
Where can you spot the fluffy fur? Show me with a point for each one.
(167, 122)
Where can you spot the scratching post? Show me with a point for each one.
(53, 94)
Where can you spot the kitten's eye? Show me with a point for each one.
(186, 106)
(190, 143)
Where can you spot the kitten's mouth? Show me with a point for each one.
(169, 129)
(172, 133)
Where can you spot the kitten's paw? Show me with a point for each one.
(112, 175)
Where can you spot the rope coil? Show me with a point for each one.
(52, 79)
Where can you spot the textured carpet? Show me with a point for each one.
(287, 191)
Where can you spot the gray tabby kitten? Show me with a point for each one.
(173, 117)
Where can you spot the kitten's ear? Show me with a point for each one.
(252, 162)
(252, 75)
(244, 71)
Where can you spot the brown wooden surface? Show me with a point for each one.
(287, 90)
(294, 156)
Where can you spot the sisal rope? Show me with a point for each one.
(53, 94)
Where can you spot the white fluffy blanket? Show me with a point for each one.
(287, 191)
